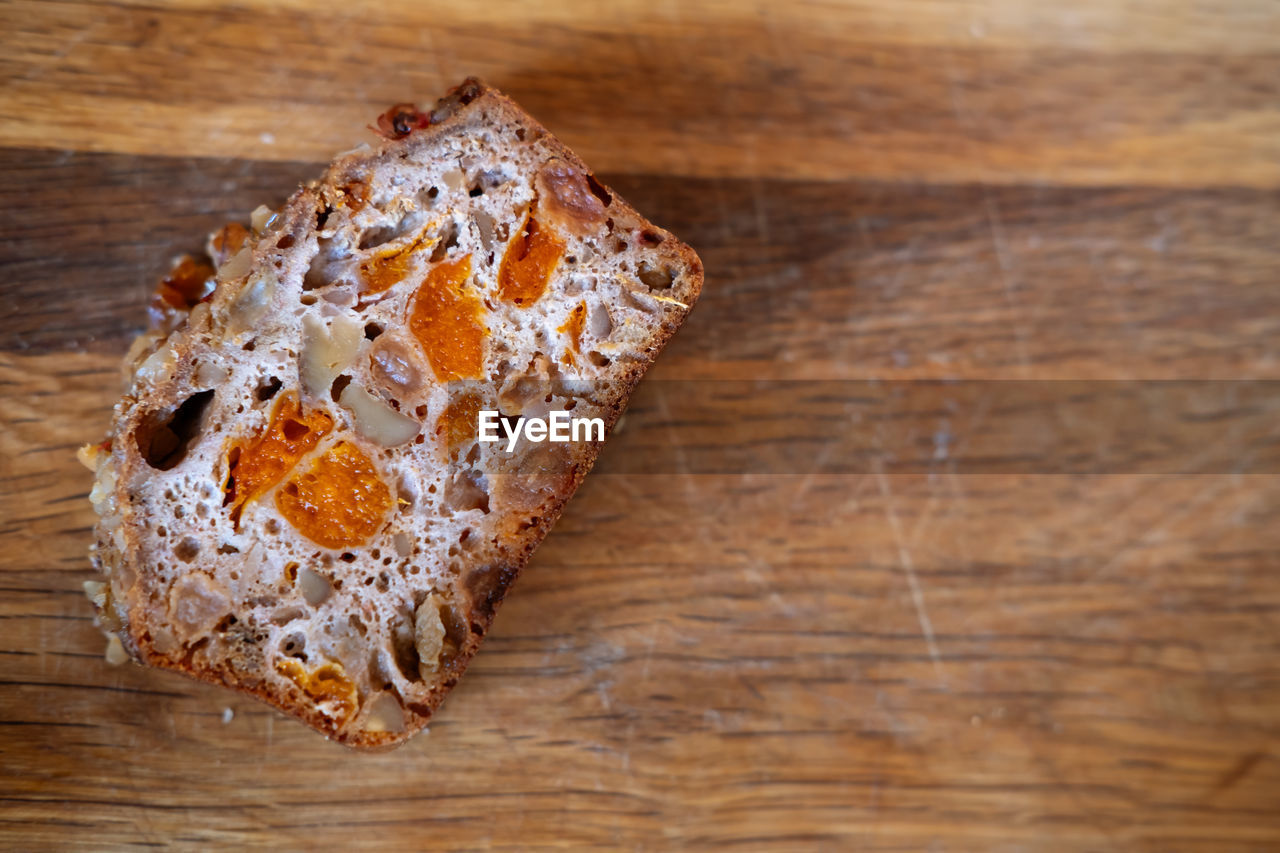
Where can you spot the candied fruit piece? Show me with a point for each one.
(256, 467)
(341, 502)
(527, 266)
(447, 321)
(458, 423)
(327, 685)
(401, 120)
(227, 242)
(573, 326)
(187, 284)
(386, 268)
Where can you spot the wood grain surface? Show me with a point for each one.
(972, 615)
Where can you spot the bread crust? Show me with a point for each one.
(127, 550)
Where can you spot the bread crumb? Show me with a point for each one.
(227, 715)
(88, 456)
(116, 654)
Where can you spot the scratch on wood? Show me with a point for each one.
(909, 568)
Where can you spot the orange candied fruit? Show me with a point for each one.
(527, 266)
(258, 466)
(341, 502)
(382, 271)
(187, 284)
(573, 328)
(446, 320)
(458, 423)
(327, 684)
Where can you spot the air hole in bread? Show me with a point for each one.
(476, 191)
(287, 614)
(340, 382)
(347, 557)
(448, 239)
(307, 299)
(469, 490)
(383, 234)
(317, 275)
(286, 241)
(163, 438)
(656, 278)
(187, 550)
(600, 192)
(405, 651)
(371, 331)
(228, 548)
(267, 390)
(294, 646)
(597, 359)
(619, 246)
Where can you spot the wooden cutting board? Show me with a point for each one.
(886, 640)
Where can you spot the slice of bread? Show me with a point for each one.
(294, 501)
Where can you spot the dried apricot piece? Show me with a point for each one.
(340, 502)
(530, 260)
(327, 685)
(227, 242)
(573, 326)
(389, 267)
(191, 281)
(447, 321)
(259, 465)
(457, 425)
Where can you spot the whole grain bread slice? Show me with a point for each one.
(294, 499)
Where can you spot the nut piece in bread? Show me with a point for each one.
(293, 498)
